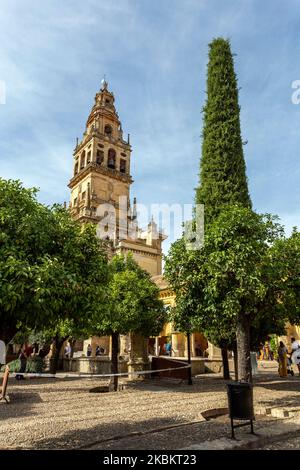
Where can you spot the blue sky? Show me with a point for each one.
(154, 54)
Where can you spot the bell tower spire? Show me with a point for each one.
(101, 170)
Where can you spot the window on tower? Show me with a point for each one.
(82, 160)
(108, 130)
(89, 157)
(111, 160)
(122, 166)
(99, 157)
(76, 168)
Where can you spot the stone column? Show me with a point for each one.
(94, 342)
(156, 346)
(138, 357)
(192, 345)
(214, 352)
(181, 345)
(124, 346)
(175, 345)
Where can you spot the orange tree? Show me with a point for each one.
(246, 277)
(132, 306)
(52, 270)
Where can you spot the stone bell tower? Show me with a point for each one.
(101, 170)
(100, 193)
(100, 186)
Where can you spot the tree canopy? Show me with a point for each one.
(133, 306)
(245, 269)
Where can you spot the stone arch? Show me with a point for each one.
(111, 159)
(122, 166)
(82, 160)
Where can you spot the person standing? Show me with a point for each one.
(68, 351)
(23, 361)
(89, 351)
(282, 359)
(295, 356)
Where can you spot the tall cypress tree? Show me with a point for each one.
(222, 168)
(223, 178)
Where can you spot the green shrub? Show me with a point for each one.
(274, 344)
(34, 365)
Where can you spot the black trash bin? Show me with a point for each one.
(240, 404)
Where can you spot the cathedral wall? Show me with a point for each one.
(149, 264)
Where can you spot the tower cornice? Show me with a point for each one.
(95, 168)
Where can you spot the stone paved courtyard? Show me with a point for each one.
(62, 413)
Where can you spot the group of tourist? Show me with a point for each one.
(265, 352)
(287, 359)
(98, 352)
(25, 351)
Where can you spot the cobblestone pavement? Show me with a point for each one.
(286, 443)
(62, 413)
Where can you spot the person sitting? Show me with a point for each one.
(89, 351)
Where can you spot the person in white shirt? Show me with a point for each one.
(295, 357)
(68, 351)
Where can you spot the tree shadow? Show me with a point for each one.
(155, 433)
(20, 405)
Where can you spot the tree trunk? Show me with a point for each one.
(57, 344)
(114, 360)
(235, 360)
(243, 347)
(224, 352)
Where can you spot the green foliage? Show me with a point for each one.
(222, 170)
(286, 254)
(132, 302)
(52, 270)
(231, 274)
(34, 364)
(274, 343)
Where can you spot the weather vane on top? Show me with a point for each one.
(104, 83)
